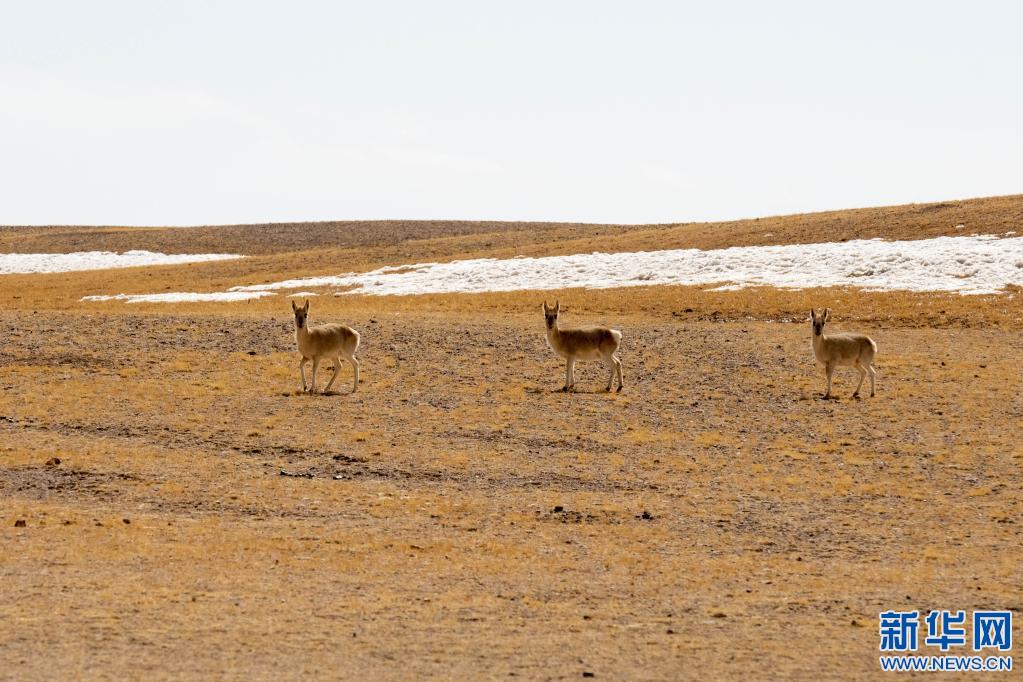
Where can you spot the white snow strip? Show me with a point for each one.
(25, 263)
(183, 297)
(300, 294)
(977, 264)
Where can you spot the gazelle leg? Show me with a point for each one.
(316, 364)
(355, 363)
(863, 374)
(614, 373)
(829, 369)
(571, 373)
(301, 369)
(873, 375)
(621, 380)
(568, 375)
(337, 370)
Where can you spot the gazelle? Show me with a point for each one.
(833, 350)
(590, 343)
(324, 342)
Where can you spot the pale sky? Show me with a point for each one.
(184, 113)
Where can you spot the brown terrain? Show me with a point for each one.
(171, 505)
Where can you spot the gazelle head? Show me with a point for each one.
(301, 314)
(550, 314)
(819, 320)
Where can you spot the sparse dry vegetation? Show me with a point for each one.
(457, 517)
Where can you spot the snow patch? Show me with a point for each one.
(27, 263)
(182, 297)
(978, 264)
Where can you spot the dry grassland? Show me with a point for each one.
(457, 517)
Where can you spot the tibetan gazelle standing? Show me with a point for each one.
(324, 342)
(833, 350)
(590, 343)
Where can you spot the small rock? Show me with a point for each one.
(587, 673)
(126, 521)
(558, 509)
(718, 614)
(53, 461)
(252, 352)
(20, 523)
(646, 516)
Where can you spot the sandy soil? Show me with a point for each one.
(457, 517)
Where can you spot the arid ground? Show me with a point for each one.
(171, 505)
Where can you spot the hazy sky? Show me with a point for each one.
(224, 112)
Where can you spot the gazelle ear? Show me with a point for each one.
(294, 307)
(827, 315)
(306, 306)
(557, 306)
(813, 315)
